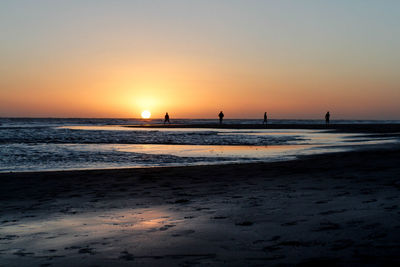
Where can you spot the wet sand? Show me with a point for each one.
(339, 209)
(350, 128)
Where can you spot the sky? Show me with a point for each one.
(192, 59)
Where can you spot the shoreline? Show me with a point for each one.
(367, 133)
(335, 209)
(351, 128)
(266, 164)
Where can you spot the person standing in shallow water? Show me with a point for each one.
(327, 117)
(166, 118)
(221, 117)
(265, 118)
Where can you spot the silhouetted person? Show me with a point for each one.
(327, 117)
(166, 118)
(221, 117)
(265, 118)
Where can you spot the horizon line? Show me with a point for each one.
(132, 118)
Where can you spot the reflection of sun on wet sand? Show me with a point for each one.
(341, 127)
(330, 209)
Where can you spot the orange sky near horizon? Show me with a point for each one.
(104, 65)
(188, 90)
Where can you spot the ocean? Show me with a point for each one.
(44, 144)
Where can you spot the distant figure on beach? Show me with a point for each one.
(221, 116)
(327, 117)
(166, 118)
(265, 118)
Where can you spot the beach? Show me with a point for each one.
(369, 127)
(79, 144)
(199, 133)
(336, 209)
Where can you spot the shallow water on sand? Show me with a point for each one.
(36, 145)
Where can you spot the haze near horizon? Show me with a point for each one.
(293, 59)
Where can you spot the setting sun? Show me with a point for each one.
(274, 124)
(146, 114)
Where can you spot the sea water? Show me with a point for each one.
(67, 144)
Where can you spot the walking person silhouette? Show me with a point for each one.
(166, 118)
(265, 118)
(327, 117)
(221, 117)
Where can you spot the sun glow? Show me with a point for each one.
(146, 114)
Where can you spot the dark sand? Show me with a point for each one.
(339, 209)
